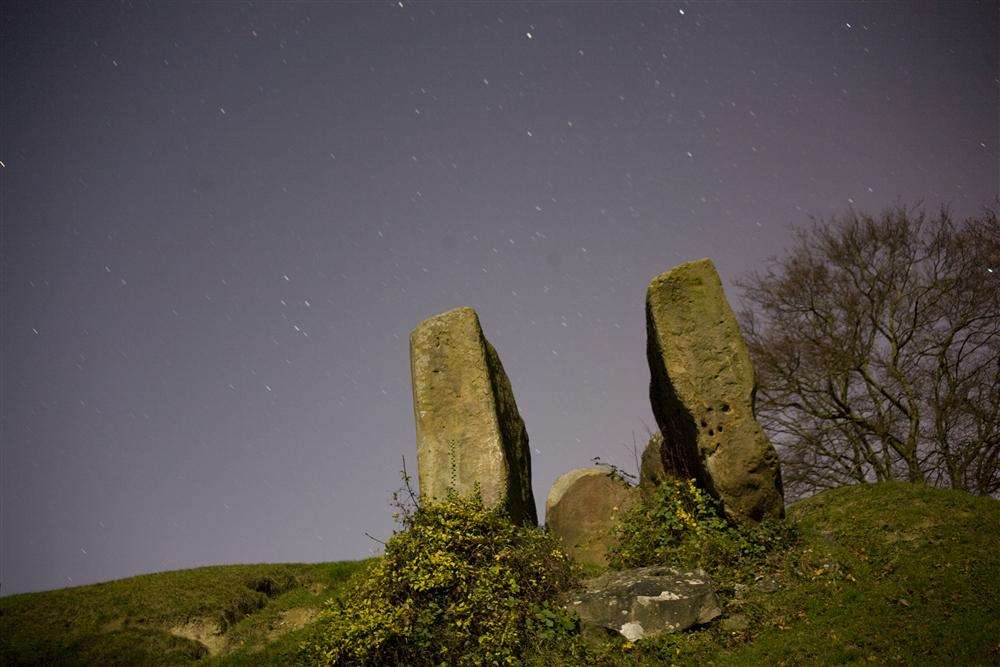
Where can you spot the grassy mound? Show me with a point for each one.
(250, 613)
(886, 573)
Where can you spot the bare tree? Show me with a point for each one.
(877, 346)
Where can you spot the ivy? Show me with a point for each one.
(682, 525)
(460, 584)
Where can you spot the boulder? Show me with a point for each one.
(582, 509)
(702, 393)
(469, 431)
(646, 601)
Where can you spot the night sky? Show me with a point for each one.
(221, 222)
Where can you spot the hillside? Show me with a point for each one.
(887, 573)
(172, 618)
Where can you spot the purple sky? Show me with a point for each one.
(221, 222)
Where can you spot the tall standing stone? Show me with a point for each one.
(702, 393)
(468, 428)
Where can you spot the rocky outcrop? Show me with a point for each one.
(582, 508)
(702, 392)
(206, 631)
(646, 601)
(469, 431)
(652, 471)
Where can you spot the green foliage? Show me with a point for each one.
(680, 524)
(552, 623)
(130, 621)
(889, 572)
(886, 573)
(268, 636)
(460, 584)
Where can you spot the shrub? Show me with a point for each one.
(680, 524)
(460, 584)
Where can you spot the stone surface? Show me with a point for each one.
(646, 601)
(737, 623)
(652, 471)
(767, 584)
(582, 508)
(702, 393)
(469, 430)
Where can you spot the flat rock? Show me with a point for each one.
(469, 430)
(702, 393)
(582, 508)
(736, 623)
(646, 601)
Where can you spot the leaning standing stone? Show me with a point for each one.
(583, 508)
(702, 388)
(468, 428)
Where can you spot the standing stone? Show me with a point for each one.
(582, 509)
(468, 428)
(702, 393)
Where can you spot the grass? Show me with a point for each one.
(273, 635)
(886, 573)
(890, 573)
(136, 621)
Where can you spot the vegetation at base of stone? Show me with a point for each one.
(679, 524)
(249, 613)
(459, 584)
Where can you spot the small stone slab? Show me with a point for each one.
(469, 430)
(646, 601)
(702, 393)
(582, 508)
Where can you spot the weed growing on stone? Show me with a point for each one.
(679, 524)
(616, 472)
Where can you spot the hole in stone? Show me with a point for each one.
(720, 428)
(710, 408)
(725, 407)
(704, 423)
(711, 432)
